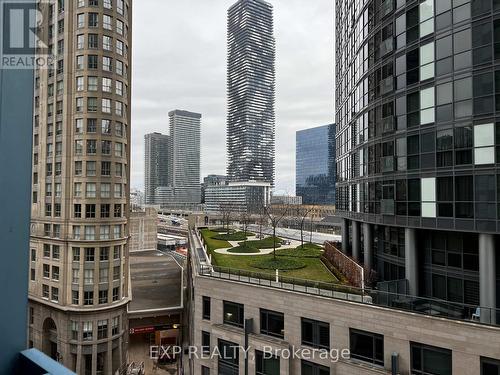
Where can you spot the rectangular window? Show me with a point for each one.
(233, 314)
(102, 329)
(88, 298)
(367, 346)
(310, 368)
(205, 342)
(87, 331)
(272, 323)
(103, 296)
(75, 297)
(266, 364)
(229, 358)
(206, 308)
(315, 333)
(430, 360)
(74, 330)
(89, 254)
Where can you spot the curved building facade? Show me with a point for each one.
(79, 278)
(418, 145)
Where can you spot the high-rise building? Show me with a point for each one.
(156, 164)
(79, 278)
(250, 88)
(418, 148)
(237, 197)
(184, 175)
(210, 180)
(315, 165)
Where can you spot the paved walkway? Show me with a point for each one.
(293, 244)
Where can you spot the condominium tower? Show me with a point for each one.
(184, 156)
(250, 88)
(156, 163)
(418, 146)
(79, 290)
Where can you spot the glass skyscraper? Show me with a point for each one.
(250, 87)
(418, 145)
(315, 165)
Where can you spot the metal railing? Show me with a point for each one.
(400, 301)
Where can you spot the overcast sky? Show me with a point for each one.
(179, 62)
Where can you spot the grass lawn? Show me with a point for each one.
(314, 269)
(265, 243)
(308, 251)
(236, 236)
(212, 243)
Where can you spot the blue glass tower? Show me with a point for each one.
(315, 165)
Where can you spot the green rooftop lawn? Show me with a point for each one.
(265, 243)
(313, 268)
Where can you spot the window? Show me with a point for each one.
(107, 43)
(87, 331)
(105, 190)
(115, 326)
(490, 366)
(76, 254)
(484, 142)
(118, 191)
(106, 127)
(93, 41)
(118, 210)
(205, 370)
(119, 67)
(75, 297)
(116, 273)
(104, 232)
(106, 64)
(120, 27)
(118, 169)
(92, 104)
(205, 342)
(93, 20)
(80, 41)
(309, 368)
(75, 275)
(116, 294)
(78, 185)
(117, 252)
(88, 277)
(233, 314)
(55, 273)
(367, 347)
(33, 255)
(106, 84)
(119, 108)
(105, 210)
(229, 358)
(93, 83)
(46, 271)
(74, 330)
(119, 47)
(89, 254)
(92, 62)
(102, 329)
(430, 360)
(266, 364)
(315, 333)
(103, 296)
(119, 88)
(80, 84)
(55, 251)
(79, 104)
(103, 275)
(117, 231)
(55, 294)
(76, 232)
(45, 291)
(88, 298)
(118, 150)
(272, 323)
(107, 4)
(80, 20)
(90, 211)
(120, 7)
(106, 105)
(91, 190)
(107, 22)
(46, 251)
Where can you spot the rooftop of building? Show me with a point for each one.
(156, 280)
(184, 113)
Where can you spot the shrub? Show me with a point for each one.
(242, 249)
(236, 236)
(279, 263)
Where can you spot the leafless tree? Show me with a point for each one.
(226, 211)
(302, 214)
(262, 219)
(244, 218)
(275, 214)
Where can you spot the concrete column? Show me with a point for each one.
(368, 246)
(345, 236)
(487, 278)
(411, 260)
(356, 240)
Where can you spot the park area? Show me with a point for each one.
(250, 252)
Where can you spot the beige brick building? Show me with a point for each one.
(79, 271)
(450, 346)
(144, 229)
